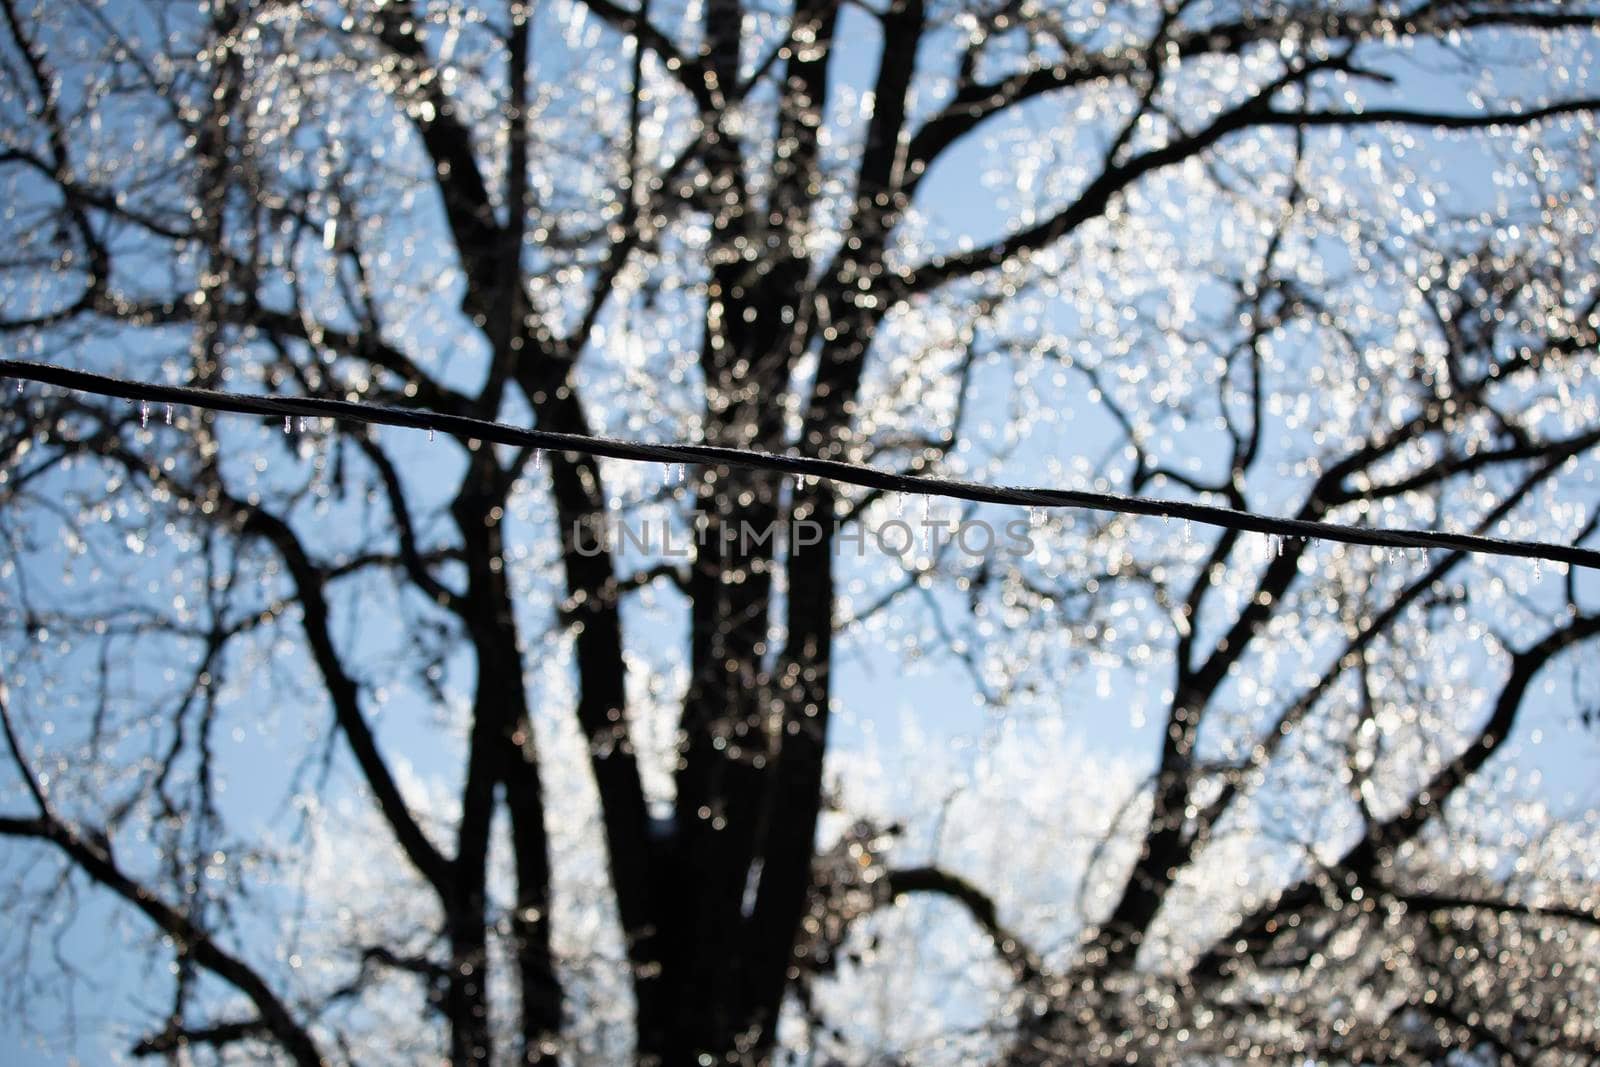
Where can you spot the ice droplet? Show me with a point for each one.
(144, 414)
(287, 424)
(1538, 570)
(430, 433)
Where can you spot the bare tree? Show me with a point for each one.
(1333, 261)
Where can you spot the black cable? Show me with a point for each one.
(834, 470)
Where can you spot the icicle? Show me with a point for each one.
(169, 414)
(1188, 531)
(287, 425)
(899, 506)
(1277, 544)
(538, 459)
(430, 433)
(144, 414)
(1538, 569)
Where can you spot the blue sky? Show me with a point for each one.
(1113, 709)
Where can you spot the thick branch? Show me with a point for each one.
(343, 693)
(1024, 962)
(1361, 864)
(193, 942)
(693, 73)
(174, 1039)
(1255, 113)
(196, 944)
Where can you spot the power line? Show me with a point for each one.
(466, 428)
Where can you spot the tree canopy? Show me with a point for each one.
(382, 747)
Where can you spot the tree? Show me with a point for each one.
(1328, 261)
